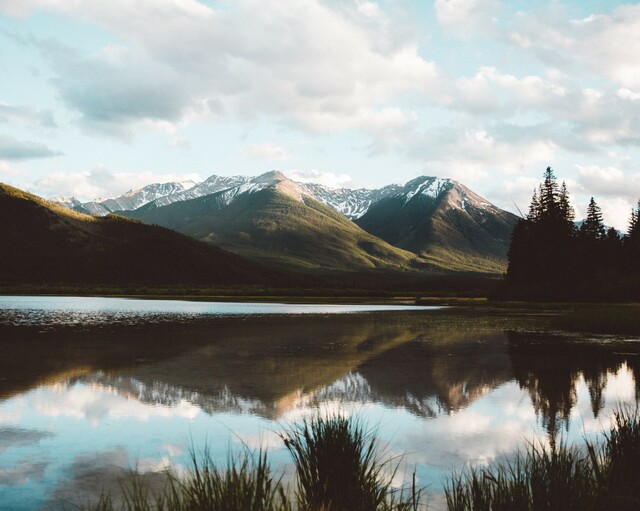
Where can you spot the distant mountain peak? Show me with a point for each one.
(428, 186)
(271, 177)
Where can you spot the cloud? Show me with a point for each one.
(27, 115)
(17, 437)
(603, 44)
(95, 403)
(26, 469)
(101, 182)
(473, 153)
(180, 143)
(466, 18)
(615, 191)
(117, 86)
(313, 65)
(329, 179)
(10, 169)
(14, 149)
(268, 151)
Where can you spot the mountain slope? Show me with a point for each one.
(44, 243)
(272, 219)
(445, 222)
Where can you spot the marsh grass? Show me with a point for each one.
(563, 478)
(340, 467)
(245, 484)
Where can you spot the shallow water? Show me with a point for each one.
(90, 388)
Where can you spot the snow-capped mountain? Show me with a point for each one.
(439, 220)
(133, 199)
(67, 202)
(351, 203)
(210, 185)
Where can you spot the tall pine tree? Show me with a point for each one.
(593, 228)
(541, 247)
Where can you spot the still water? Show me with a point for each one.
(93, 387)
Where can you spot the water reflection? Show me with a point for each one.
(81, 405)
(550, 367)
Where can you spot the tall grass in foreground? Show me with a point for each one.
(245, 484)
(338, 468)
(605, 476)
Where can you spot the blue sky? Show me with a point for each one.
(98, 97)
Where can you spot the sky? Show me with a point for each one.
(101, 96)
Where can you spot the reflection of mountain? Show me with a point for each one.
(268, 370)
(443, 372)
(428, 364)
(550, 367)
(425, 372)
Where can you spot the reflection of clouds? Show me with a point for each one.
(93, 473)
(266, 440)
(95, 402)
(25, 470)
(12, 413)
(17, 437)
(620, 389)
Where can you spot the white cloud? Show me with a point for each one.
(628, 94)
(609, 181)
(268, 151)
(615, 191)
(10, 169)
(251, 58)
(180, 143)
(329, 179)
(466, 18)
(473, 154)
(95, 402)
(603, 44)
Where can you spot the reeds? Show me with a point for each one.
(245, 484)
(561, 478)
(339, 467)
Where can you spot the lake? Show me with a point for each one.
(93, 387)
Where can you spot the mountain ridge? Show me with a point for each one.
(48, 243)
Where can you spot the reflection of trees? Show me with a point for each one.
(549, 367)
(442, 372)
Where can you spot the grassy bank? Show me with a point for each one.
(603, 476)
(339, 467)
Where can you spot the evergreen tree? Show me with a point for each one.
(534, 208)
(549, 195)
(541, 248)
(566, 210)
(634, 223)
(593, 228)
(631, 244)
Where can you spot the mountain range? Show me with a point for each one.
(428, 223)
(46, 243)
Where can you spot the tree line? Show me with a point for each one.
(553, 258)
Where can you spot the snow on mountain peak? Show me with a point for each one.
(353, 203)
